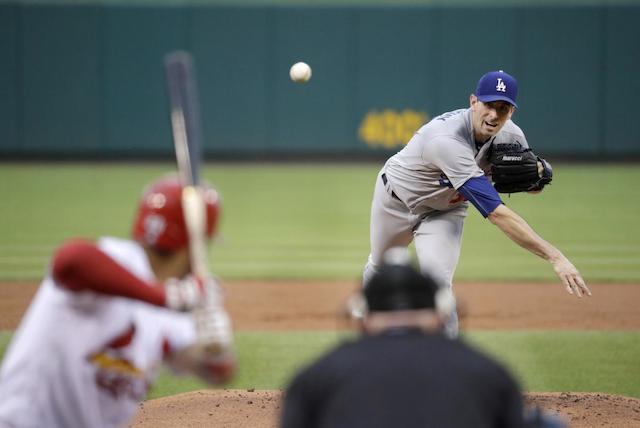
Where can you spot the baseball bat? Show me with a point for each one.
(187, 138)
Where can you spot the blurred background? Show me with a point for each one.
(85, 79)
(85, 125)
(83, 82)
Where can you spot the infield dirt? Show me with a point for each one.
(259, 305)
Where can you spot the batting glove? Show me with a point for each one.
(184, 294)
(213, 325)
(214, 336)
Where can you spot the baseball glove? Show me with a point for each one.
(516, 169)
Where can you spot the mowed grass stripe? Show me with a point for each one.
(594, 361)
(317, 216)
(541, 361)
(21, 261)
(320, 255)
(589, 361)
(599, 248)
(25, 248)
(27, 275)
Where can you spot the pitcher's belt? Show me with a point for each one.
(384, 181)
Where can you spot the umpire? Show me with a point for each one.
(402, 371)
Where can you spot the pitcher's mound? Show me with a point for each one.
(224, 408)
(261, 409)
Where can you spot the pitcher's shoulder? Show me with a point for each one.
(511, 128)
(511, 134)
(449, 118)
(450, 123)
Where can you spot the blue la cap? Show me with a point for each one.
(497, 85)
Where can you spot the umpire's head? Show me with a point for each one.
(400, 295)
(399, 286)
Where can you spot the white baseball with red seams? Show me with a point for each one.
(81, 359)
(300, 72)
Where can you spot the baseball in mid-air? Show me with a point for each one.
(300, 72)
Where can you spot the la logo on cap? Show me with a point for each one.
(497, 86)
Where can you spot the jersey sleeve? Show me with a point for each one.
(454, 158)
(80, 265)
(481, 194)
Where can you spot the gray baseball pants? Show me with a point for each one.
(437, 237)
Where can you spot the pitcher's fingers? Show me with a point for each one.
(576, 287)
(584, 287)
(567, 285)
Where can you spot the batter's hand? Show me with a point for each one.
(214, 336)
(213, 324)
(184, 294)
(570, 277)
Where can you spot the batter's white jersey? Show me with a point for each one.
(82, 359)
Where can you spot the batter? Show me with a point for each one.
(422, 193)
(105, 318)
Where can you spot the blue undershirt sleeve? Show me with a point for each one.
(480, 192)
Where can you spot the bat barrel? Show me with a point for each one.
(185, 114)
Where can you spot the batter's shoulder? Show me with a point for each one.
(127, 253)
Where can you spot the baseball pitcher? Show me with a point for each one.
(422, 193)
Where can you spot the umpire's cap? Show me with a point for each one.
(399, 286)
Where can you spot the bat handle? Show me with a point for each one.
(194, 209)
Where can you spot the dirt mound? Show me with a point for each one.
(261, 409)
(225, 408)
(264, 305)
(590, 409)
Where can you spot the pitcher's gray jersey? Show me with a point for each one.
(441, 157)
(420, 194)
(416, 197)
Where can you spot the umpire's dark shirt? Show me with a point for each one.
(403, 378)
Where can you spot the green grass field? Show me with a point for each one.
(587, 361)
(311, 221)
(308, 221)
(579, 361)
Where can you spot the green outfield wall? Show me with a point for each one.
(87, 79)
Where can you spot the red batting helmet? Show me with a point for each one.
(160, 222)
